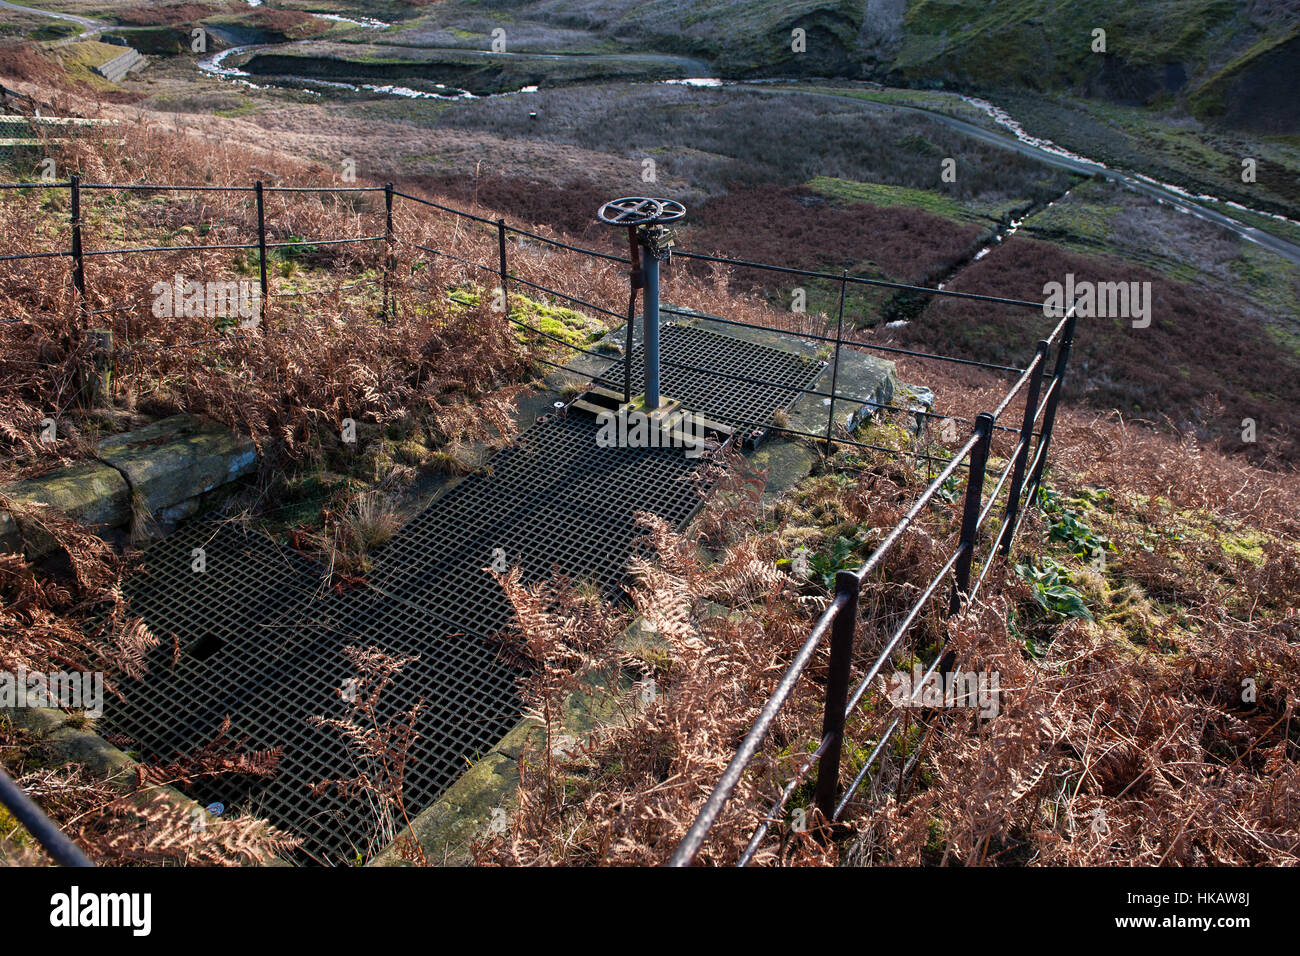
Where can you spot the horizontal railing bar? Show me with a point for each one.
(856, 280)
(451, 255)
(858, 342)
(135, 249)
(767, 426)
(969, 599)
(884, 739)
(321, 242)
(556, 338)
(323, 189)
(838, 396)
(852, 788)
(565, 295)
(1020, 383)
(564, 245)
(436, 205)
(33, 255)
(1030, 492)
(900, 631)
(25, 810)
(1051, 339)
(565, 368)
(997, 488)
(522, 281)
(722, 791)
(786, 793)
(1038, 357)
(341, 288)
(876, 556)
(1042, 404)
(164, 187)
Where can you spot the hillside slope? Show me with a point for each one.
(1214, 55)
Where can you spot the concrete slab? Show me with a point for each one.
(172, 460)
(165, 466)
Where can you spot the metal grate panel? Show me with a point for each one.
(721, 399)
(259, 642)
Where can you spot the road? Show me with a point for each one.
(89, 26)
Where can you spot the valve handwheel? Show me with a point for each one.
(646, 222)
(640, 211)
(673, 210)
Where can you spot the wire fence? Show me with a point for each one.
(1015, 486)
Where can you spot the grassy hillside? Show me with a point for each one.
(1214, 55)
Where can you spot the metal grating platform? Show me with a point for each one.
(257, 639)
(260, 644)
(727, 401)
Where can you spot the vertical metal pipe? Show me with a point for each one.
(1022, 457)
(837, 693)
(634, 283)
(651, 269)
(261, 241)
(835, 372)
(970, 517)
(389, 261)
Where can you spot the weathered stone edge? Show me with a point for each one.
(158, 465)
(81, 745)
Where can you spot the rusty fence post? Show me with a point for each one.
(78, 256)
(261, 245)
(503, 266)
(1049, 414)
(835, 371)
(390, 260)
(970, 517)
(837, 692)
(1022, 457)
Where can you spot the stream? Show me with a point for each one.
(1019, 139)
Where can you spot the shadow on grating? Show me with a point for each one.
(721, 399)
(255, 638)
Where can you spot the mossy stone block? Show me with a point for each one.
(178, 458)
(89, 491)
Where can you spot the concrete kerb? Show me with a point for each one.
(72, 739)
